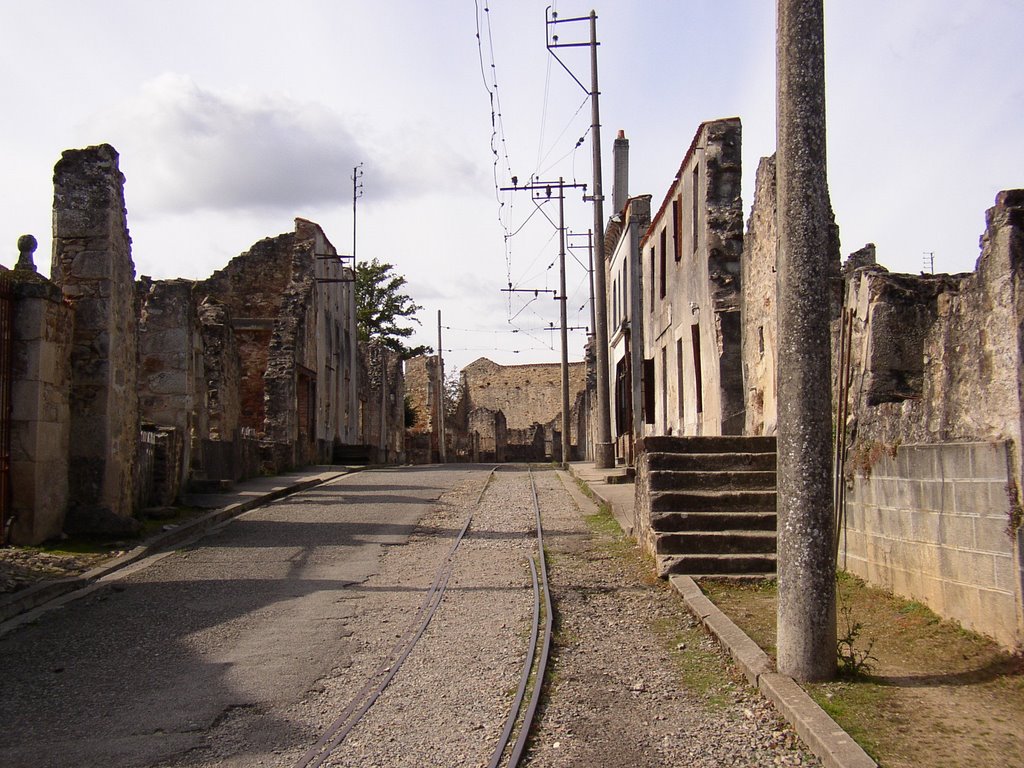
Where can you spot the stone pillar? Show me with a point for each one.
(92, 264)
(41, 371)
(806, 571)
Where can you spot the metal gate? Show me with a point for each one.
(6, 343)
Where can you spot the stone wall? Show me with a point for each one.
(420, 380)
(384, 407)
(758, 306)
(93, 266)
(40, 408)
(172, 380)
(490, 432)
(932, 523)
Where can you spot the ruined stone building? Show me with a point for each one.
(685, 297)
(502, 412)
(530, 399)
(124, 393)
(421, 392)
(291, 307)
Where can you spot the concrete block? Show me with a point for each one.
(933, 495)
(990, 535)
(1007, 575)
(832, 745)
(922, 462)
(955, 460)
(968, 497)
(997, 617)
(989, 461)
(908, 494)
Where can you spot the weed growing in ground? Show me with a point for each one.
(852, 660)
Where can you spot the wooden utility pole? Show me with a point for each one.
(806, 621)
(604, 453)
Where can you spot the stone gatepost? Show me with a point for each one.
(39, 403)
(92, 264)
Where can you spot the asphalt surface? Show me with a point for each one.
(138, 671)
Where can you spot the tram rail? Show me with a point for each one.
(335, 734)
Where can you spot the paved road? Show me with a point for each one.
(137, 672)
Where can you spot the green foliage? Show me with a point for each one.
(381, 306)
(853, 661)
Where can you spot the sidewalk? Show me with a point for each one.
(823, 736)
(242, 497)
(617, 495)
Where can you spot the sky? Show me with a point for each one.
(233, 117)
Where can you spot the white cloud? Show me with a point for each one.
(187, 148)
(192, 149)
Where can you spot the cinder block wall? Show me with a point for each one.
(936, 523)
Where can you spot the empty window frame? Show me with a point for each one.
(695, 178)
(679, 384)
(653, 275)
(698, 384)
(663, 282)
(677, 228)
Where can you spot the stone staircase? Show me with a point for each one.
(706, 505)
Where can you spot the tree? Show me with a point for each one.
(381, 305)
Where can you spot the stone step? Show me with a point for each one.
(761, 565)
(671, 480)
(711, 501)
(707, 444)
(711, 462)
(715, 543)
(678, 522)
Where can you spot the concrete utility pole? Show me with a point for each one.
(604, 451)
(806, 621)
(564, 322)
(441, 453)
(541, 190)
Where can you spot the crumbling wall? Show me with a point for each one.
(384, 407)
(490, 432)
(93, 266)
(171, 378)
(291, 304)
(759, 345)
(40, 410)
(936, 360)
(420, 381)
(758, 308)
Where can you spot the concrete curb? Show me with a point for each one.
(46, 591)
(830, 743)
